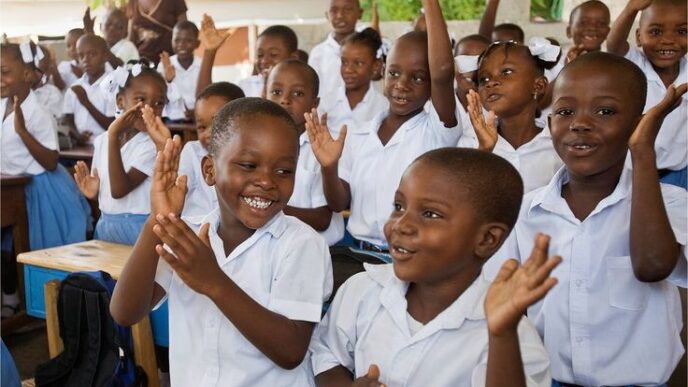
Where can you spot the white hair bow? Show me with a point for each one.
(114, 81)
(543, 49)
(466, 63)
(383, 50)
(28, 56)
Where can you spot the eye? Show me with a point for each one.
(298, 93)
(398, 207)
(246, 166)
(276, 92)
(393, 73)
(284, 171)
(682, 31)
(507, 71)
(431, 214)
(655, 31)
(565, 112)
(483, 80)
(605, 112)
(418, 79)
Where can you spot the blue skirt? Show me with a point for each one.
(58, 213)
(120, 228)
(678, 178)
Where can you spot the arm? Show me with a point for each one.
(211, 39)
(122, 182)
(654, 249)
(616, 40)
(441, 63)
(374, 17)
(318, 218)
(341, 377)
(102, 120)
(47, 158)
(487, 21)
(113, 60)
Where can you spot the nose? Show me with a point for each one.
(404, 225)
(490, 83)
(402, 83)
(581, 122)
(285, 99)
(263, 179)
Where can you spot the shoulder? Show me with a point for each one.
(296, 232)
(366, 283)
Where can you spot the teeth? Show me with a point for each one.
(401, 250)
(256, 202)
(666, 52)
(582, 146)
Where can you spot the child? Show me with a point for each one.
(661, 37)
(616, 318)
(245, 294)
(403, 322)
(356, 101)
(294, 86)
(114, 30)
(69, 70)
(510, 82)
(181, 71)
(48, 95)
(325, 57)
(125, 155)
(505, 32)
(466, 52)
(87, 110)
(376, 154)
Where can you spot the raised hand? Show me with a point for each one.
(645, 133)
(517, 287)
(574, 52)
(80, 93)
(125, 120)
(88, 184)
(639, 5)
(371, 379)
(168, 190)
(327, 150)
(170, 71)
(19, 122)
(211, 38)
(374, 17)
(486, 131)
(88, 21)
(156, 129)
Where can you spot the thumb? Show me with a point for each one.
(374, 372)
(342, 134)
(95, 173)
(203, 234)
(181, 182)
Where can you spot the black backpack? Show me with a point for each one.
(97, 351)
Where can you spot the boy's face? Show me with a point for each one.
(70, 41)
(254, 173)
(407, 78)
(114, 28)
(290, 87)
(662, 34)
(432, 231)
(591, 126)
(184, 42)
(91, 58)
(589, 26)
(14, 75)
(206, 109)
(358, 66)
(471, 47)
(270, 51)
(343, 15)
(144, 89)
(506, 35)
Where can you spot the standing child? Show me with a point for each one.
(247, 283)
(181, 71)
(87, 109)
(114, 29)
(403, 323)
(125, 155)
(615, 320)
(69, 70)
(661, 38)
(510, 82)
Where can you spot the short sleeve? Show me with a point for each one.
(143, 157)
(69, 102)
(164, 274)
(317, 192)
(346, 162)
(676, 205)
(635, 55)
(443, 135)
(129, 52)
(43, 127)
(186, 165)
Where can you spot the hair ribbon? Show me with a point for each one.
(543, 49)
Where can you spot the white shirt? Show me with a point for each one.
(601, 326)
(201, 198)
(326, 60)
(374, 171)
(50, 97)
(65, 70)
(339, 111)
(308, 190)
(125, 50)
(285, 267)
(15, 158)
(185, 82)
(536, 160)
(139, 153)
(671, 145)
(82, 118)
(367, 324)
(252, 86)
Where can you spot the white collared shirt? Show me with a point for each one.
(671, 144)
(51, 98)
(326, 60)
(125, 50)
(339, 111)
(252, 86)
(185, 82)
(82, 118)
(15, 158)
(285, 267)
(536, 160)
(201, 198)
(308, 190)
(139, 153)
(66, 73)
(601, 326)
(367, 324)
(374, 171)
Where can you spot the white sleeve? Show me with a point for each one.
(444, 136)
(69, 102)
(317, 190)
(676, 205)
(44, 129)
(128, 52)
(346, 162)
(143, 158)
(186, 166)
(635, 55)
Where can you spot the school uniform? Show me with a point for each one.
(185, 82)
(201, 198)
(671, 144)
(326, 59)
(368, 323)
(82, 118)
(536, 161)
(252, 86)
(308, 190)
(340, 113)
(50, 97)
(374, 171)
(601, 326)
(121, 219)
(57, 212)
(284, 266)
(125, 50)
(66, 73)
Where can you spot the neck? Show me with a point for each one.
(668, 74)
(519, 129)
(94, 77)
(185, 62)
(232, 232)
(301, 128)
(355, 96)
(392, 123)
(339, 38)
(583, 193)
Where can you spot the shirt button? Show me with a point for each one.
(579, 339)
(579, 283)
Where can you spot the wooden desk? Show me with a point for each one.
(83, 153)
(187, 131)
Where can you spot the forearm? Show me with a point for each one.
(57, 79)
(113, 60)
(205, 75)
(102, 120)
(504, 364)
(318, 218)
(334, 377)
(337, 192)
(487, 21)
(617, 39)
(654, 249)
(47, 158)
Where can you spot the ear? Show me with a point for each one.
(491, 236)
(540, 86)
(377, 66)
(294, 55)
(208, 170)
(27, 73)
(120, 101)
(637, 37)
(568, 31)
(360, 13)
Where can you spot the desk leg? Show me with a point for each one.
(144, 350)
(55, 345)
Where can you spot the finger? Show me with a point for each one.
(374, 372)
(95, 172)
(342, 134)
(323, 120)
(181, 182)
(539, 293)
(315, 119)
(539, 253)
(543, 272)
(170, 258)
(507, 270)
(491, 119)
(204, 235)
(175, 238)
(187, 238)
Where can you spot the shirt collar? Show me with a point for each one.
(303, 139)
(332, 43)
(175, 62)
(84, 78)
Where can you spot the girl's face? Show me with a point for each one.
(146, 89)
(508, 81)
(407, 78)
(70, 41)
(14, 75)
(359, 65)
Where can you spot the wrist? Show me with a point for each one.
(331, 169)
(215, 289)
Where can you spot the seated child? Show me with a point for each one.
(615, 320)
(294, 86)
(48, 95)
(181, 71)
(401, 323)
(247, 283)
(114, 29)
(87, 110)
(466, 54)
(661, 54)
(505, 32)
(69, 70)
(125, 156)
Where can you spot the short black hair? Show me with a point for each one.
(185, 25)
(492, 185)
(580, 6)
(310, 72)
(76, 31)
(225, 90)
(472, 38)
(369, 37)
(285, 33)
(511, 27)
(302, 55)
(224, 123)
(670, 3)
(96, 40)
